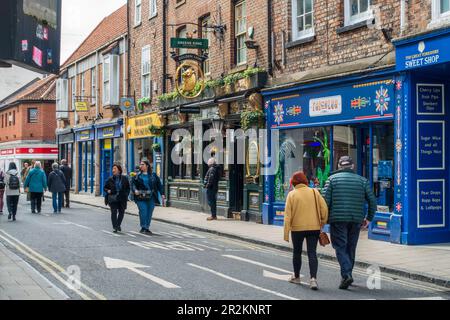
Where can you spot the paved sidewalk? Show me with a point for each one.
(430, 263)
(20, 281)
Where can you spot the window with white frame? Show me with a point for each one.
(440, 10)
(206, 35)
(145, 72)
(182, 33)
(93, 85)
(302, 18)
(137, 12)
(240, 18)
(62, 98)
(153, 8)
(106, 79)
(357, 11)
(82, 87)
(74, 91)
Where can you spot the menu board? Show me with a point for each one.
(430, 145)
(430, 203)
(430, 99)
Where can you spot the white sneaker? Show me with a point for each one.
(313, 284)
(295, 280)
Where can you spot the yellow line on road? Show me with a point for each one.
(47, 264)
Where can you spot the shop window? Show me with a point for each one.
(302, 19)
(118, 145)
(32, 115)
(240, 17)
(357, 11)
(345, 144)
(306, 150)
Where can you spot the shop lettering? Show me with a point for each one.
(421, 62)
(325, 106)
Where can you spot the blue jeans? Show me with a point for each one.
(57, 198)
(146, 212)
(344, 237)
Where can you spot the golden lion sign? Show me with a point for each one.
(190, 80)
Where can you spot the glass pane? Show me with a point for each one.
(344, 144)
(308, 21)
(304, 150)
(445, 6)
(363, 5)
(300, 10)
(308, 6)
(354, 7)
(300, 24)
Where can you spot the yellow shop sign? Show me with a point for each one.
(138, 127)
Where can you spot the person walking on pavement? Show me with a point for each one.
(211, 183)
(145, 187)
(23, 173)
(346, 194)
(67, 171)
(57, 186)
(2, 189)
(12, 190)
(305, 214)
(36, 184)
(117, 189)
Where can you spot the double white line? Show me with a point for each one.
(58, 272)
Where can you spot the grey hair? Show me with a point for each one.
(55, 166)
(211, 161)
(351, 167)
(63, 161)
(37, 164)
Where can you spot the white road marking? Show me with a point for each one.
(242, 282)
(171, 234)
(202, 245)
(129, 234)
(148, 245)
(123, 264)
(257, 263)
(110, 233)
(77, 225)
(424, 298)
(141, 234)
(282, 277)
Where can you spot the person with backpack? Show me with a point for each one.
(57, 186)
(12, 190)
(117, 189)
(146, 186)
(2, 189)
(36, 184)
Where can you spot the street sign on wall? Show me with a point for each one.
(184, 43)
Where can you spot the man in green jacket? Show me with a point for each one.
(346, 194)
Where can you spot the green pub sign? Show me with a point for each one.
(194, 43)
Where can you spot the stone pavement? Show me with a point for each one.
(430, 263)
(19, 281)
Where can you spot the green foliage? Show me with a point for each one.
(141, 102)
(156, 147)
(251, 117)
(157, 131)
(214, 83)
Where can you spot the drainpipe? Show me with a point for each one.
(403, 16)
(165, 6)
(129, 46)
(269, 37)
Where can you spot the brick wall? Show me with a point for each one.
(42, 130)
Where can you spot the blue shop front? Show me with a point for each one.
(424, 64)
(85, 164)
(392, 124)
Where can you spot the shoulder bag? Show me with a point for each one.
(323, 237)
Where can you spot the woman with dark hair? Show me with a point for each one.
(12, 190)
(145, 187)
(117, 189)
(305, 214)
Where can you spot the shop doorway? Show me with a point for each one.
(236, 183)
(106, 161)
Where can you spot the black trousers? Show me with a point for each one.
(212, 201)
(117, 214)
(312, 238)
(66, 199)
(11, 203)
(36, 201)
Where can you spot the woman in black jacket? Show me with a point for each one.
(117, 189)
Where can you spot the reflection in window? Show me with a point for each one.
(306, 150)
(44, 10)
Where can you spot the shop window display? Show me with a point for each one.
(306, 150)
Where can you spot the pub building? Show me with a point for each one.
(240, 186)
(392, 123)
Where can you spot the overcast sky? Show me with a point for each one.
(79, 18)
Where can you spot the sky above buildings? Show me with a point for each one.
(79, 18)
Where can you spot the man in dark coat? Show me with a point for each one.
(67, 171)
(211, 183)
(346, 194)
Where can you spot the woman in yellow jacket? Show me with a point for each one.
(301, 217)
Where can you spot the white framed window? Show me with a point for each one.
(62, 98)
(440, 11)
(357, 11)
(111, 79)
(240, 18)
(74, 90)
(145, 72)
(153, 8)
(82, 86)
(93, 85)
(137, 12)
(206, 35)
(182, 33)
(302, 19)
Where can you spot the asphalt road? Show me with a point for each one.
(174, 263)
